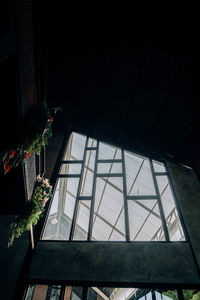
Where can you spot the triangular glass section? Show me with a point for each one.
(104, 193)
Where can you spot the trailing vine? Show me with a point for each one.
(37, 135)
(41, 194)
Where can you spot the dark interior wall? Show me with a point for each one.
(7, 29)
(135, 74)
(187, 188)
(13, 189)
(4, 18)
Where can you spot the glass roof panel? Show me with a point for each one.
(111, 204)
(143, 220)
(170, 211)
(101, 230)
(109, 168)
(87, 183)
(70, 169)
(116, 236)
(158, 166)
(90, 159)
(92, 142)
(82, 220)
(138, 176)
(108, 152)
(108, 209)
(54, 205)
(75, 147)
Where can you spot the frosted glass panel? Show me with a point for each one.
(138, 175)
(101, 229)
(61, 213)
(108, 212)
(70, 169)
(82, 220)
(90, 159)
(144, 219)
(108, 152)
(88, 175)
(75, 147)
(158, 166)
(109, 168)
(149, 296)
(170, 211)
(92, 142)
(158, 296)
(87, 183)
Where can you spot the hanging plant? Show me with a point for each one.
(41, 194)
(37, 130)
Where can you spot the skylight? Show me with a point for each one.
(104, 193)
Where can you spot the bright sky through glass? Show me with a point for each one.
(90, 190)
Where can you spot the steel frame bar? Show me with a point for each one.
(109, 175)
(106, 161)
(159, 202)
(125, 199)
(69, 175)
(78, 194)
(93, 195)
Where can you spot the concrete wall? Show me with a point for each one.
(187, 189)
(114, 262)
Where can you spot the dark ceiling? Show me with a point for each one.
(123, 77)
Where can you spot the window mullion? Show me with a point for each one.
(159, 202)
(93, 195)
(78, 194)
(125, 199)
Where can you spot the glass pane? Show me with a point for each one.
(170, 211)
(88, 174)
(109, 168)
(75, 147)
(116, 182)
(59, 220)
(101, 230)
(108, 152)
(87, 183)
(54, 203)
(158, 296)
(30, 292)
(144, 220)
(108, 212)
(149, 296)
(92, 142)
(138, 175)
(158, 166)
(54, 292)
(117, 236)
(82, 220)
(70, 169)
(90, 159)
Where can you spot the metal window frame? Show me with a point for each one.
(126, 194)
(143, 291)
